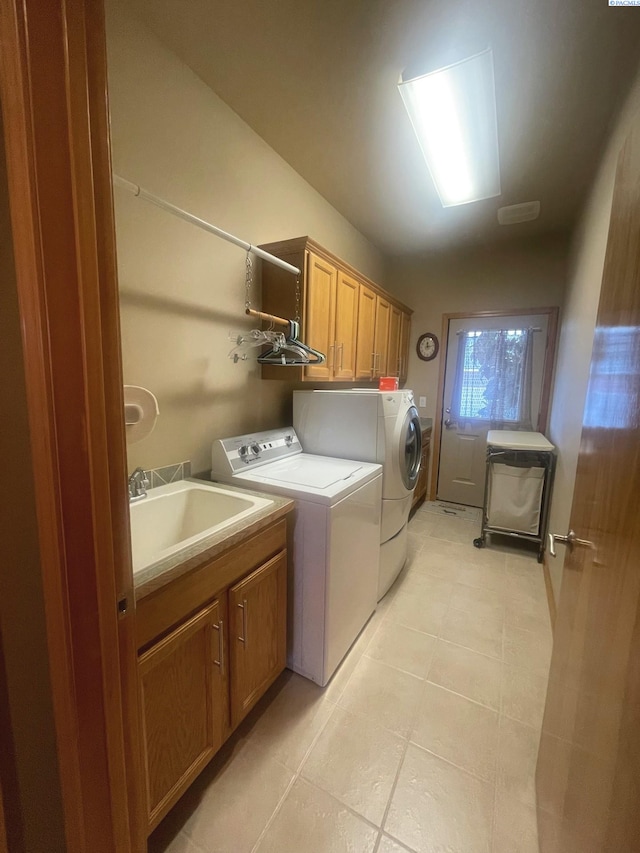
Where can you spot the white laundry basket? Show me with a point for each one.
(519, 479)
(515, 498)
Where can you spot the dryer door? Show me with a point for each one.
(410, 448)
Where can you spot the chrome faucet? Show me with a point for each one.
(138, 485)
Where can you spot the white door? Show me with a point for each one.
(463, 442)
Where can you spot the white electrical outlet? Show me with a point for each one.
(422, 402)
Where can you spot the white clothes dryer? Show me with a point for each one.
(333, 586)
(373, 426)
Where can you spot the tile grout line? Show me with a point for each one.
(497, 712)
(407, 741)
(448, 761)
(462, 696)
(294, 778)
(298, 773)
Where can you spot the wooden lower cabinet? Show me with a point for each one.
(258, 649)
(184, 703)
(208, 668)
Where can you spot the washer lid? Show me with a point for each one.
(311, 471)
(319, 479)
(512, 439)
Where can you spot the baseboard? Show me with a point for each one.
(551, 601)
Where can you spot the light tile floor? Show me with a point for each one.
(425, 739)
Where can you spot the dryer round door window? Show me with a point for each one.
(411, 448)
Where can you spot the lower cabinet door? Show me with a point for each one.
(184, 701)
(258, 633)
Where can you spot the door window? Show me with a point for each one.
(493, 376)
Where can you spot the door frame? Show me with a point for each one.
(53, 90)
(547, 373)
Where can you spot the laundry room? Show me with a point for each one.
(186, 338)
(361, 519)
(184, 294)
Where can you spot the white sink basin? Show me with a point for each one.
(174, 517)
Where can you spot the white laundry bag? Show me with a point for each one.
(515, 498)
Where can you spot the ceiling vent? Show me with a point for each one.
(515, 213)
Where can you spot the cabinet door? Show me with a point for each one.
(405, 333)
(258, 628)
(320, 314)
(184, 703)
(346, 330)
(381, 340)
(393, 347)
(365, 353)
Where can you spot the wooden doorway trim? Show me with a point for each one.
(53, 89)
(547, 375)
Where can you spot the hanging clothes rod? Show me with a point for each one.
(516, 329)
(270, 318)
(137, 190)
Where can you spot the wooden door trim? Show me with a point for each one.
(547, 373)
(53, 88)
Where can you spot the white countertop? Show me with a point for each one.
(512, 439)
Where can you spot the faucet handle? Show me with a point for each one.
(138, 484)
(139, 475)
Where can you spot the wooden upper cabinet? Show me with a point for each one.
(346, 327)
(258, 628)
(381, 337)
(184, 703)
(365, 351)
(344, 314)
(331, 319)
(393, 347)
(405, 333)
(320, 313)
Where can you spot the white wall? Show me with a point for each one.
(578, 325)
(182, 290)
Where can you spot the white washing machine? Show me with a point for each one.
(334, 583)
(373, 426)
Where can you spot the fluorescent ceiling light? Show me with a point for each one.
(453, 112)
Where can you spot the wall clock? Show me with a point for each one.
(427, 346)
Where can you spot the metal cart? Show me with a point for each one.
(517, 491)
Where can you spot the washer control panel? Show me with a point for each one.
(231, 455)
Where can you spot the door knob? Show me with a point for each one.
(449, 423)
(569, 540)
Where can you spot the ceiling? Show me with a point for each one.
(316, 79)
